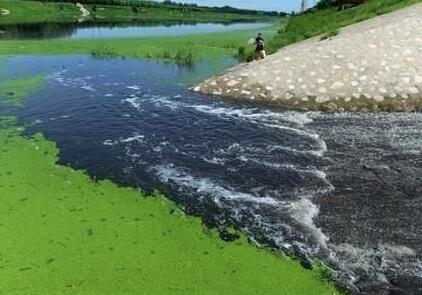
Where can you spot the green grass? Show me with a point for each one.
(190, 47)
(330, 34)
(35, 11)
(15, 92)
(62, 233)
(30, 12)
(323, 22)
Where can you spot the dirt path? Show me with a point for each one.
(85, 12)
(373, 65)
(5, 11)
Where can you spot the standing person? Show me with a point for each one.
(260, 47)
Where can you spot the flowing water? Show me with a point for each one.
(345, 188)
(107, 30)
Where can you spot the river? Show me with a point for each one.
(345, 187)
(107, 30)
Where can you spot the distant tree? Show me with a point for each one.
(323, 4)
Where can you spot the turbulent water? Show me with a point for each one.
(345, 188)
(373, 217)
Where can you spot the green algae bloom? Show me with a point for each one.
(15, 92)
(63, 233)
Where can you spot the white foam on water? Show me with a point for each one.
(239, 150)
(134, 102)
(246, 154)
(376, 261)
(88, 88)
(305, 170)
(265, 118)
(40, 121)
(60, 117)
(253, 115)
(80, 82)
(135, 138)
(204, 185)
(361, 256)
(110, 142)
(214, 160)
(57, 75)
(405, 139)
(316, 153)
(133, 87)
(300, 118)
(304, 211)
(269, 119)
(301, 132)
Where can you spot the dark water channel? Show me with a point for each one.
(105, 30)
(342, 187)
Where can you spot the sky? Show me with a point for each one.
(277, 5)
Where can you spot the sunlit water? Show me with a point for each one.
(342, 187)
(118, 30)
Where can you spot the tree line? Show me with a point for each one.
(324, 4)
(172, 6)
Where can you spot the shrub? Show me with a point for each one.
(183, 58)
(104, 52)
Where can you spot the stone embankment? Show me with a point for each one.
(370, 66)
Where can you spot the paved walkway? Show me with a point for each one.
(373, 65)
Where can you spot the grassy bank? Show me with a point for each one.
(33, 11)
(180, 48)
(30, 12)
(326, 22)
